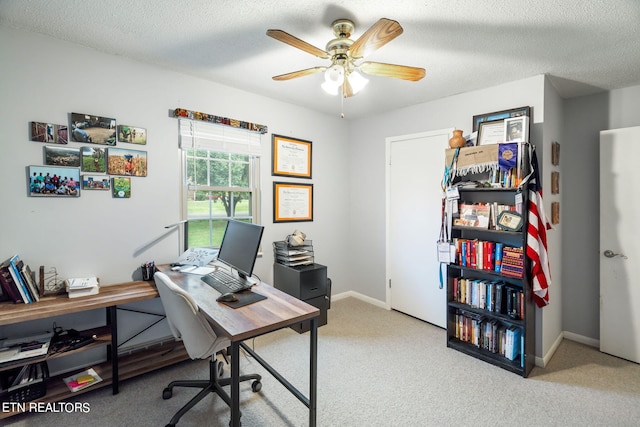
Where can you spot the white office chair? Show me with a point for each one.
(201, 342)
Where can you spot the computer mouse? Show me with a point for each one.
(228, 297)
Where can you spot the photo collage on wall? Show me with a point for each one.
(69, 166)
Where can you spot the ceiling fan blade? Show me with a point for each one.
(300, 73)
(380, 33)
(390, 70)
(297, 43)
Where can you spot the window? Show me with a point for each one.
(221, 179)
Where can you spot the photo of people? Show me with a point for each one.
(49, 133)
(53, 181)
(132, 135)
(121, 161)
(95, 182)
(94, 159)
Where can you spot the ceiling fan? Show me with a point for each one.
(344, 72)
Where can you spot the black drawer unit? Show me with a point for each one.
(308, 283)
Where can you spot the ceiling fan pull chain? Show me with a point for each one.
(342, 106)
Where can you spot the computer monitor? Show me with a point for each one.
(239, 247)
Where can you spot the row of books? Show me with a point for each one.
(481, 215)
(489, 335)
(292, 256)
(17, 282)
(493, 296)
(491, 256)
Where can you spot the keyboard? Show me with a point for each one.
(223, 282)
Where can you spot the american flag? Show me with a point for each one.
(537, 238)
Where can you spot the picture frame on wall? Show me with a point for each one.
(500, 115)
(49, 133)
(87, 128)
(93, 159)
(53, 181)
(132, 134)
(61, 156)
(291, 157)
(292, 202)
(555, 182)
(555, 153)
(96, 182)
(122, 161)
(121, 187)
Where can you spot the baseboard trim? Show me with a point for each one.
(592, 342)
(361, 297)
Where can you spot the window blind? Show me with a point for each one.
(209, 136)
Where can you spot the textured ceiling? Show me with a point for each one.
(586, 46)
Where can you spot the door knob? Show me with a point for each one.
(610, 254)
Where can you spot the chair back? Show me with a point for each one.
(187, 321)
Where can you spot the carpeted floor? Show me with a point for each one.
(381, 368)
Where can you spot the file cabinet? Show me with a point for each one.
(308, 283)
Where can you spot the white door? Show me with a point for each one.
(415, 168)
(619, 244)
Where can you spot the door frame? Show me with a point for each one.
(388, 141)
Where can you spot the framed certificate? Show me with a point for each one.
(292, 202)
(291, 157)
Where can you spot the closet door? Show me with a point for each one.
(414, 174)
(619, 244)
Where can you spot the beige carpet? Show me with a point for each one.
(382, 368)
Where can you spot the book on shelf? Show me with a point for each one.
(82, 380)
(8, 284)
(30, 280)
(18, 280)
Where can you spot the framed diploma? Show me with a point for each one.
(291, 157)
(292, 202)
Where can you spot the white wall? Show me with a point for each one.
(44, 80)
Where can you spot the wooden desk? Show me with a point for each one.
(109, 298)
(279, 310)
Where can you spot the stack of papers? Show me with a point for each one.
(82, 380)
(82, 287)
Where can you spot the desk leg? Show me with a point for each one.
(112, 320)
(313, 369)
(235, 384)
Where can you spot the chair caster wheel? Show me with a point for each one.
(170, 425)
(256, 386)
(166, 394)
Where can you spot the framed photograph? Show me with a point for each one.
(93, 159)
(292, 202)
(555, 182)
(96, 182)
(132, 134)
(291, 157)
(61, 156)
(491, 132)
(509, 221)
(555, 153)
(93, 129)
(500, 115)
(516, 129)
(53, 181)
(49, 133)
(121, 161)
(121, 186)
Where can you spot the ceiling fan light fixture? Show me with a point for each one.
(357, 81)
(330, 88)
(334, 75)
